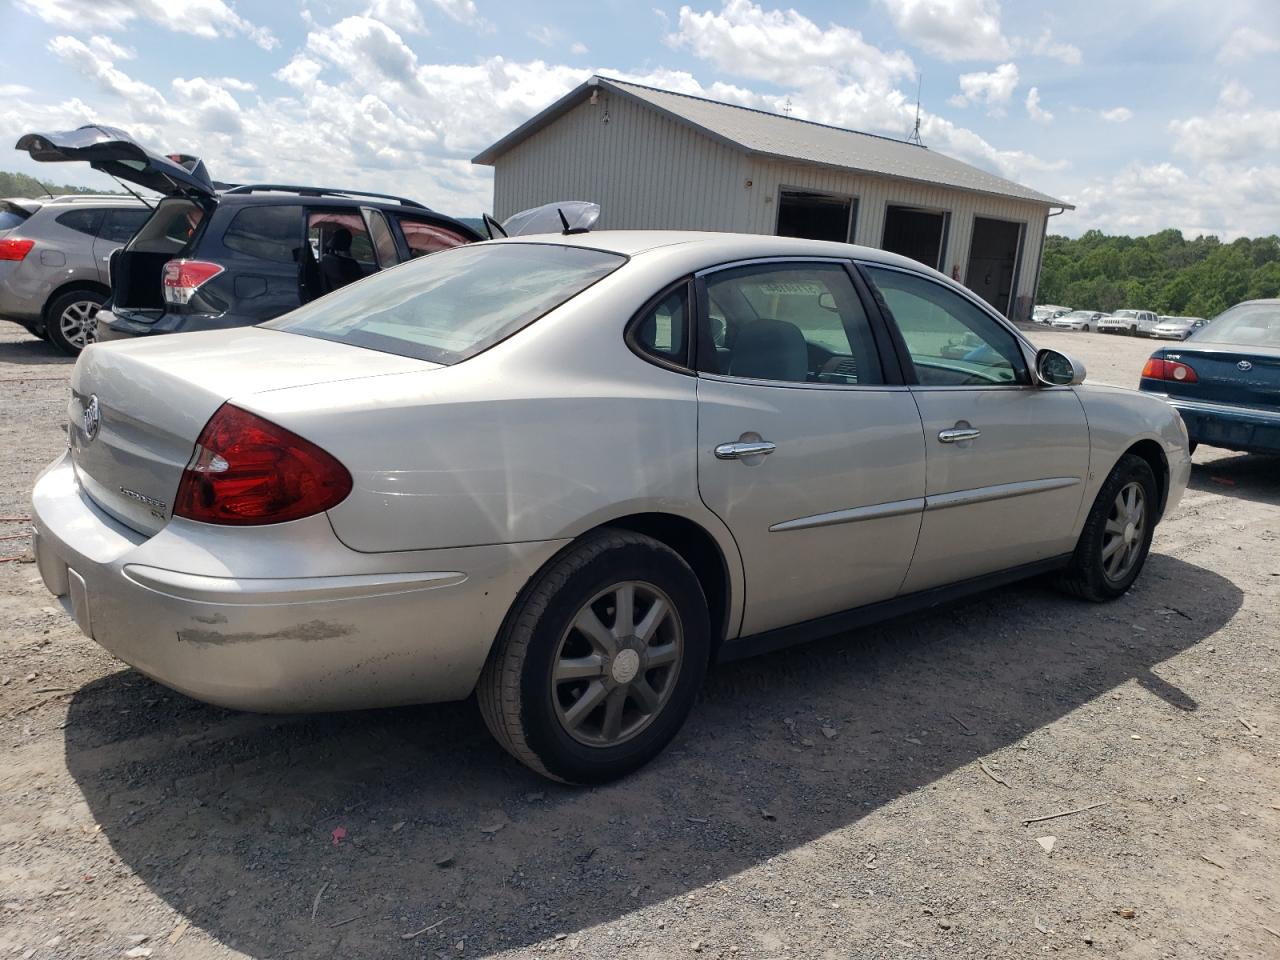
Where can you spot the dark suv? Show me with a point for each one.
(215, 255)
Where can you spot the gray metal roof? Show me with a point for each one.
(787, 138)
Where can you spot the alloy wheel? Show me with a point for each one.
(79, 323)
(1124, 532)
(617, 664)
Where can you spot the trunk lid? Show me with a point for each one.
(1248, 376)
(137, 407)
(117, 154)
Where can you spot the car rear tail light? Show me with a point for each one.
(247, 470)
(182, 278)
(1158, 368)
(11, 248)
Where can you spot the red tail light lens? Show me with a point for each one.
(247, 470)
(11, 248)
(182, 278)
(1158, 368)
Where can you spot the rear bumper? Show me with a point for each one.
(116, 326)
(1233, 428)
(225, 622)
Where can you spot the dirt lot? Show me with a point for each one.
(863, 797)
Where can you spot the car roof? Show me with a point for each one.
(737, 245)
(92, 200)
(277, 197)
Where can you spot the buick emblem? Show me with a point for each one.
(92, 418)
(1245, 365)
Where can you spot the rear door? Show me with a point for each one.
(1005, 460)
(809, 450)
(263, 244)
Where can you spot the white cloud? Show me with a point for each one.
(464, 11)
(1116, 115)
(1246, 43)
(578, 48)
(1230, 133)
(13, 90)
(235, 83)
(1234, 94)
(401, 15)
(994, 88)
(108, 49)
(544, 35)
(1045, 46)
(201, 18)
(210, 103)
(143, 101)
(952, 29)
(782, 46)
(361, 45)
(1034, 110)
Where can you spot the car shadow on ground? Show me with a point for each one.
(1249, 476)
(402, 818)
(32, 350)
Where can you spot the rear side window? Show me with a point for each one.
(119, 226)
(11, 217)
(269, 232)
(84, 221)
(423, 237)
(452, 306)
(662, 330)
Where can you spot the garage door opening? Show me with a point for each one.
(918, 234)
(815, 216)
(993, 261)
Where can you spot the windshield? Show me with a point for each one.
(1079, 313)
(451, 305)
(1125, 313)
(1248, 324)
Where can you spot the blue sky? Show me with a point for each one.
(1162, 113)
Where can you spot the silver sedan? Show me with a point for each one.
(567, 473)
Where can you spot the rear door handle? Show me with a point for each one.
(742, 448)
(956, 434)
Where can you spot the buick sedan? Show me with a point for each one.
(568, 473)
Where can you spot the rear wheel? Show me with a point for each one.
(72, 321)
(1116, 539)
(600, 660)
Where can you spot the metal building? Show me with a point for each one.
(656, 159)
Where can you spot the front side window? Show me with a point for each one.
(790, 322)
(266, 232)
(662, 330)
(952, 342)
(451, 306)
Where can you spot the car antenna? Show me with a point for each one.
(45, 189)
(492, 225)
(568, 230)
(130, 189)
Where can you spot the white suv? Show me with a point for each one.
(1131, 322)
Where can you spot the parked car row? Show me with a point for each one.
(1134, 323)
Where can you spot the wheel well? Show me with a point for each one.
(698, 549)
(1152, 452)
(93, 285)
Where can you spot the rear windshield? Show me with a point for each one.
(11, 216)
(451, 305)
(171, 227)
(1246, 324)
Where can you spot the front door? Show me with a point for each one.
(813, 461)
(1006, 460)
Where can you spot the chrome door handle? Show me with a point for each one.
(740, 449)
(956, 434)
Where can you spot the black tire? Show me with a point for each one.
(1087, 577)
(525, 709)
(53, 324)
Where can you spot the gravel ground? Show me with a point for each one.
(861, 797)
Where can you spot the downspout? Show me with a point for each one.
(1044, 238)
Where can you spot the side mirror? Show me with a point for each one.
(1056, 369)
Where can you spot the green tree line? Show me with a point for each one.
(1163, 272)
(21, 185)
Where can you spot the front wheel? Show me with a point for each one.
(1116, 539)
(600, 659)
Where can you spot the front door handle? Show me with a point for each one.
(743, 448)
(957, 434)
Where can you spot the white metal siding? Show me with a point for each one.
(647, 171)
